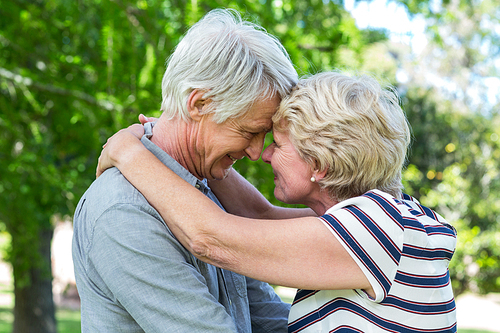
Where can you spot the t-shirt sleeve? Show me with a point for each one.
(370, 229)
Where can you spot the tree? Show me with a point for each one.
(454, 168)
(461, 58)
(83, 69)
(451, 103)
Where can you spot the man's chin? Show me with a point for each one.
(221, 174)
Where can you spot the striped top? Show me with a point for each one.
(403, 249)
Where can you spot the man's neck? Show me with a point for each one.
(172, 136)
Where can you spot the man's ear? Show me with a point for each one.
(195, 104)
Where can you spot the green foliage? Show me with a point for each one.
(74, 72)
(477, 261)
(57, 89)
(454, 164)
(454, 168)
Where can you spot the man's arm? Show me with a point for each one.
(268, 312)
(241, 198)
(149, 274)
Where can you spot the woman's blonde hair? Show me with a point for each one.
(352, 128)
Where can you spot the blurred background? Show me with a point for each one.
(72, 72)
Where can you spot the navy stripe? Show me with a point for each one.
(438, 229)
(421, 308)
(421, 281)
(426, 254)
(359, 251)
(415, 212)
(413, 224)
(429, 212)
(342, 304)
(443, 229)
(407, 197)
(379, 235)
(303, 294)
(387, 206)
(423, 210)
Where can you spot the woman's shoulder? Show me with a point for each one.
(373, 199)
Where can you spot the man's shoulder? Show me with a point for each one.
(113, 186)
(110, 190)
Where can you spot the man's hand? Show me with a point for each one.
(117, 147)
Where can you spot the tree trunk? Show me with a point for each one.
(34, 309)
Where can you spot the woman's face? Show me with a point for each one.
(292, 175)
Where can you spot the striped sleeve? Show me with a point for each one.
(370, 228)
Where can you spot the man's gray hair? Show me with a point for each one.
(234, 62)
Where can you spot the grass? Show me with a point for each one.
(6, 319)
(68, 321)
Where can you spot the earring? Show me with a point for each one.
(313, 179)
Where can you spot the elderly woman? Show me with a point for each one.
(373, 260)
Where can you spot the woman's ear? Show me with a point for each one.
(195, 104)
(320, 174)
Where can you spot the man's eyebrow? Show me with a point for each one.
(261, 129)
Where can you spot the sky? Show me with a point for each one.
(392, 16)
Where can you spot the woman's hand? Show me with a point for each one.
(118, 147)
(143, 119)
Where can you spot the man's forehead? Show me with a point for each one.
(259, 116)
(259, 126)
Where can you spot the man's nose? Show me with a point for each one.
(254, 150)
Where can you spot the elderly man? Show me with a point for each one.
(221, 87)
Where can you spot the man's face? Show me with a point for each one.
(218, 146)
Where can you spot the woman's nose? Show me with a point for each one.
(268, 153)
